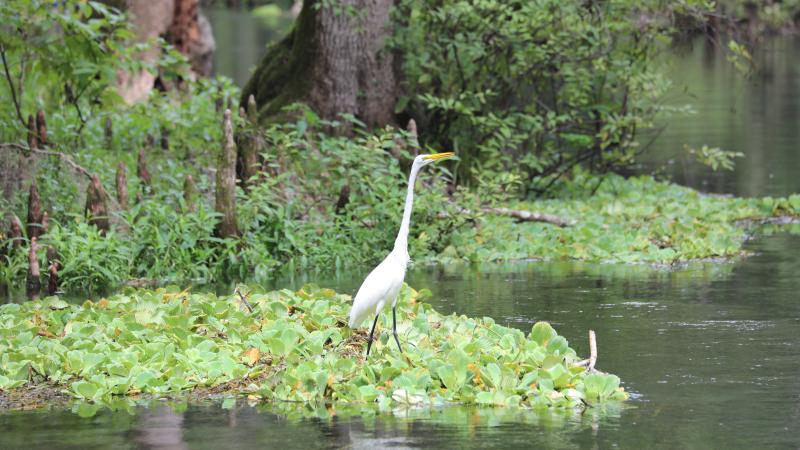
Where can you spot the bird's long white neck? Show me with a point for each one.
(401, 243)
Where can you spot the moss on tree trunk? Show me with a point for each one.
(334, 60)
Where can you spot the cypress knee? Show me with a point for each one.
(33, 285)
(45, 223)
(122, 187)
(52, 279)
(15, 232)
(226, 181)
(109, 133)
(344, 199)
(189, 193)
(34, 212)
(96, 208)
(33, 139)
(141, 169)
(41, 127)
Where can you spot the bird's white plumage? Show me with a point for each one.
(379, 288)
(382, 285)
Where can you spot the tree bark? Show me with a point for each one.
(334, 60)
(183, 25)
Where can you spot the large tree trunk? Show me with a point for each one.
(181, 23)
(334, 60)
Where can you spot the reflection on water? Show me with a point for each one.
(758, 116)
(709, 352)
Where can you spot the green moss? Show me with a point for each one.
(284, 76)
(294, 346)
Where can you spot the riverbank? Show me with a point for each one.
(160, 240)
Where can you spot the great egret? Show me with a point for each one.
(383, 283)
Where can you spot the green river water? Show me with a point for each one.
(709, 351)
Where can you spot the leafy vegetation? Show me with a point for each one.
(627, 220)
(324, 201)
(294, 346)
(536, 87)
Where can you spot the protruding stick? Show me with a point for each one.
(244, 299)
(592, 351)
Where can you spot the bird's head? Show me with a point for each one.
(424, 160)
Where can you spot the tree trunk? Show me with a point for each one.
(183, 26)
(334, 60)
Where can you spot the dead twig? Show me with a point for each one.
(244, 299)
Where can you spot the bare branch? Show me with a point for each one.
(11, 86)
(64, 157)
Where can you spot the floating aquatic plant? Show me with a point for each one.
(293, 346)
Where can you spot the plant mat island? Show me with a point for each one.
(292, 347)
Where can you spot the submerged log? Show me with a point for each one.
(189, 193)
(122, 186)
(41, 127)
(226, 181)
(34, 227)
(33, 283)
(96, 207)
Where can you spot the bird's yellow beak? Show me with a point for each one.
(438, 156)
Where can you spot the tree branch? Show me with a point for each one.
(519, 214)
(11, 86)
(64, 157)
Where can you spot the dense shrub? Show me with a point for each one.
(534, 87)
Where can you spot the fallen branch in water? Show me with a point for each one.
(519, 214)
(589, 363)
(528, 216)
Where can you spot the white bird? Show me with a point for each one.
(383, 283)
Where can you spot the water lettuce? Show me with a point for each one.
(293, 347)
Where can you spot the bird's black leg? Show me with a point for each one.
(394, 327)
(369, 340)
